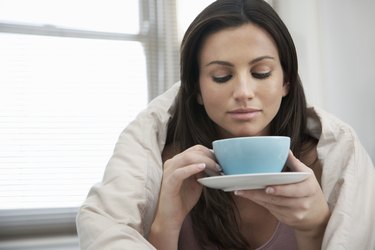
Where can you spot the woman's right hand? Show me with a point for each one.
(179, 193)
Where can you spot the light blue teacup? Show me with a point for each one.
(252, 155)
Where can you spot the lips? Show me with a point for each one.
(244, 113)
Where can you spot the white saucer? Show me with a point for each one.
(252, 181)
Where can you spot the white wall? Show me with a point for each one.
(335, 41)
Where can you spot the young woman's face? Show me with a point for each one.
(241, 80)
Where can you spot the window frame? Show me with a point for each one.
(161, 51)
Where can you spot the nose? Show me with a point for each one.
(243, 89)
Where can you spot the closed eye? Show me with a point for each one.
(221, 79)
(261, 75)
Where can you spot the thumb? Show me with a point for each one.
(295, 164)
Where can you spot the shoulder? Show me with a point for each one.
(337, 141)
(331, 132)
(342, 156)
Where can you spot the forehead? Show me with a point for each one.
(233, 44)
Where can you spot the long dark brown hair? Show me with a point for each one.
(214, 216)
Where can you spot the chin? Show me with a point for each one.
(248, 132)
(244, 131)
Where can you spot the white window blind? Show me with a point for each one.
(109, 15)
(64, 102)
(73, 74)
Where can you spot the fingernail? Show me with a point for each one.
(201, 165)
(270, 190)
(218, 167)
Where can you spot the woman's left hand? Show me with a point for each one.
(300, 205)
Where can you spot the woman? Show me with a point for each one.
(239, 77)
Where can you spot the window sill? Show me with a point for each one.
(23, 223)
(41, 243)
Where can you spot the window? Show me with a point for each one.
(115, 16)
(186, 12)
(72, 77)
(73, 74)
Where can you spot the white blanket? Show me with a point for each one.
(118, 212)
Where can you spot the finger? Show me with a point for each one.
(213, 154)
(212, 172)
(197, 154)
(268, 201)
(212, 168)
(199, 147)
(295, 164)
(296, 190)
(203, 150)
(178, 176)
(258, 196)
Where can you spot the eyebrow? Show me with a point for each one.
(225, 63)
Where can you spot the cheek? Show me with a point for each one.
(209, 100)
(271, 97)
(213, 102)
(213, 96)
(208, 92)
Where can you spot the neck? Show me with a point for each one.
(256, 223)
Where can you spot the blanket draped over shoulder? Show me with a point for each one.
(119, 210)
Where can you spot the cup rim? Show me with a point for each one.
(254, 137)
